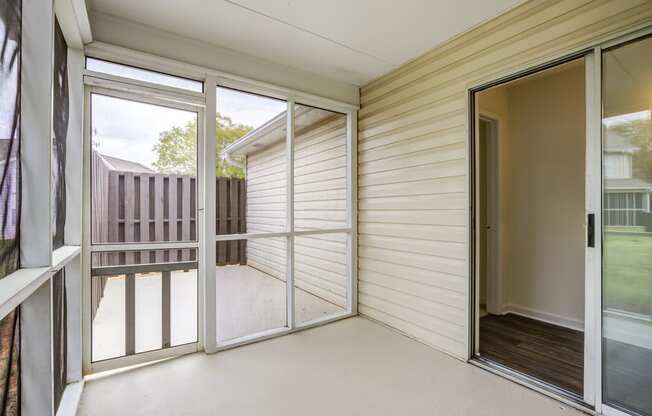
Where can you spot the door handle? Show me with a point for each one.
(590, 229)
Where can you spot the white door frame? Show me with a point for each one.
(147, 95)
(592, 359)
(494, 297)
(593, 252)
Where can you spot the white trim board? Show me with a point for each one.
(70, 399)
(539, 315)
(63, 255)
(19, 285)
(145, 60)
(73, 19)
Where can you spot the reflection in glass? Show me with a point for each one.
(627, 270)
(144, 172)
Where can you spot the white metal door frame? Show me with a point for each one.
(593, 248)
(593, 332)
(596, 124)
(155, 96)
(350, 230)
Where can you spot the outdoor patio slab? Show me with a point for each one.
(248, 301)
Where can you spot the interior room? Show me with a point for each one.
(372, 207)
(531, 174)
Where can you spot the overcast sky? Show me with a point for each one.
(129, 130)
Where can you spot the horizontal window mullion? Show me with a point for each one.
(115, 247)
(253, 236)
(344, 230)
(19, 285)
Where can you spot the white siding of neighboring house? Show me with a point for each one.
(320, 202)
(618, 165)
(413, 164)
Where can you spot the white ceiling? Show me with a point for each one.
(354, 41)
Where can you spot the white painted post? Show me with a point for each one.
(74, 318)
(37, 397)
(74, 205)
(36, 237)
(85, 274)
(207, 231)
(36, 133)
(289, 226)
(593, 257)
(352, 209)
(74, 149)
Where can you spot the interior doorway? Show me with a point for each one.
(530, 211)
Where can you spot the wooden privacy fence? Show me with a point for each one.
(132, 207)
(139, 206)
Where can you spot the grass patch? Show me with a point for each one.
(628, 272)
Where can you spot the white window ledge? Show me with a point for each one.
(70, 399)
(19, 285)
(63, 255)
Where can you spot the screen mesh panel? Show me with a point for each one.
(10, 364)
(60, 346)
(10, 41)
(60, 126)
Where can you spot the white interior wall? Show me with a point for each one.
(109, 29)
(542, 174)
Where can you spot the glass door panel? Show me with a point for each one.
(627, 220)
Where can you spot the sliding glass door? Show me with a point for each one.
(627, 219)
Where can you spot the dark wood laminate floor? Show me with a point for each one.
(547, 352)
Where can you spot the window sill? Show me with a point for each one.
(63, 255)
(19, 285)
(70, 399)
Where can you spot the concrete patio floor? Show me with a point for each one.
(248, 301)
(350, 367)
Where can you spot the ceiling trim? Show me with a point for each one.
(73, 19)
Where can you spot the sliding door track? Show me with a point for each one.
(572, 399)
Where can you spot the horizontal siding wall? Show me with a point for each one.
(320, 203)
(413, 165)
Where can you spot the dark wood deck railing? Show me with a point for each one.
(102, 273)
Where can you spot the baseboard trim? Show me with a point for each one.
(543, 316)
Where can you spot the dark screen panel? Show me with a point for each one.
(10, 42)
(60, 335)
(60, 115)
(10, 364)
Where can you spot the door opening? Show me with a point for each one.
(530, 210)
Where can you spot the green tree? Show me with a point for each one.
(176, 150)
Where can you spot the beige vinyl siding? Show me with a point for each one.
(413, 166)
(320, 203)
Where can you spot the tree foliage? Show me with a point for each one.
(176, 150)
